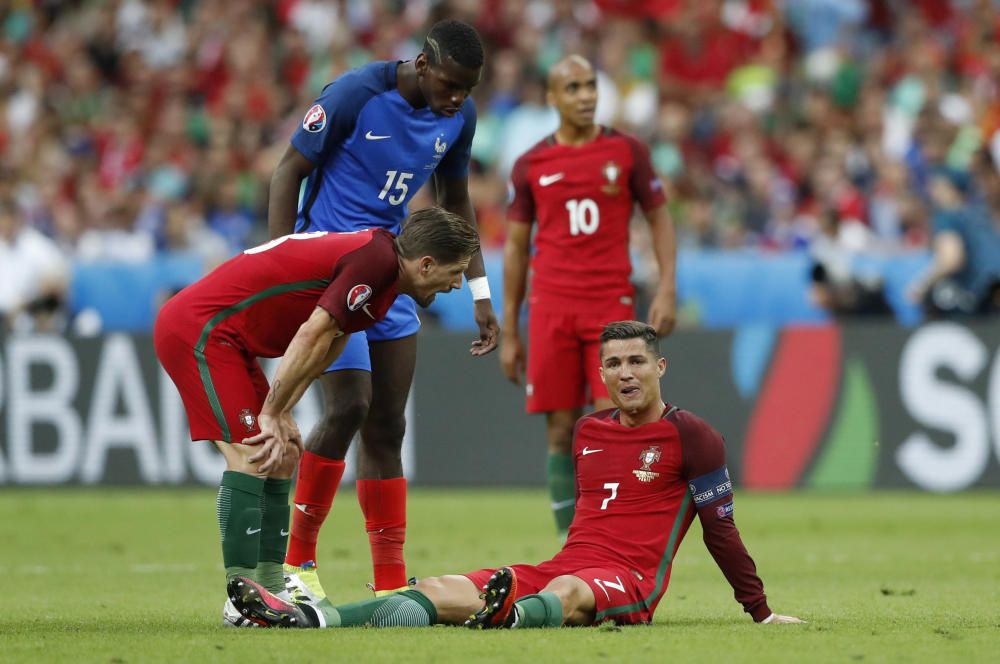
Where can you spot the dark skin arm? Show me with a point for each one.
(453, 195)
(283, 202)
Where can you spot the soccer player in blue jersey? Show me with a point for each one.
(369, 142)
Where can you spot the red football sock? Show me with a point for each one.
(383, 502)
(315, 488)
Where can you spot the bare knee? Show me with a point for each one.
(289, 462)
(342, 417)
(576, 597)
(347, 410)
(385, 430)
(238, 458)
(454, 596)
(380, 455)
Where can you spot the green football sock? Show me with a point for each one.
(541, 610)
(410, 608)
(238, 509)
(273, 534)
(560, 478)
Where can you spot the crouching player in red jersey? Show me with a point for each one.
(643, 469)
(300, 296)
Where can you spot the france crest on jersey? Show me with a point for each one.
(373, 151)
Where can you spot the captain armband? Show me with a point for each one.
(710, 487)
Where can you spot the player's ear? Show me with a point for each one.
(421, 62)
(550, 99)
(426, 263)
(661, 366)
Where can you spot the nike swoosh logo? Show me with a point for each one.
(563, 504)
(365, 309)
(252, 532)
(546, 180)
(284, 533)
(372, 137)
(585, 451)
(302, 508)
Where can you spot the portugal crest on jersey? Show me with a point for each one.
(647, 458)
(248, 420)
(315, 120)
(357, 296)
(612, 172)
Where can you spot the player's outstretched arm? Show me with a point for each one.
(704, 455)
(453, 195)
(283, 200)
(663, 308)
(515, 280)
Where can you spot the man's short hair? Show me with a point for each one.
(631, 329)
(456, 40)
(434, 232)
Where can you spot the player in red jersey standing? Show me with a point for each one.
(581, 184)
(300, 296)
(644, 470)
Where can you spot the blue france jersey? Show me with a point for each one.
(373, 151)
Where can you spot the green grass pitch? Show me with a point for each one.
(135, 576)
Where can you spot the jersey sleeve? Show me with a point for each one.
(361, 278)
(645, 184)
(332, 117)
(522, 202)
(704, 469)
(455, 163)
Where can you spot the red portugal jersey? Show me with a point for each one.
(582, 198)
(258, 299)
(638, 490)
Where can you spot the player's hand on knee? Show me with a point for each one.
(272, 440)
(289, 459)
(776, 619)
(290, 430)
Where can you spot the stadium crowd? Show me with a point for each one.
(132, 127)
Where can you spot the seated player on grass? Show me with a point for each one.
(643, 470)
(300, 296)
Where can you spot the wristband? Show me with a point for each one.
(480, 288)
(767, 620)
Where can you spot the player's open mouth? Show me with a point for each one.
(630, 390)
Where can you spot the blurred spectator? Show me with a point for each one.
(837, 285)
(33, 276)
(185, 230)
(759, 114)
(115, 239)
(964, 277)
(230, 218)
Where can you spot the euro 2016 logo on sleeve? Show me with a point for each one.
(358, 296)
(248, 420)
(649, 456)
(315, 120)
